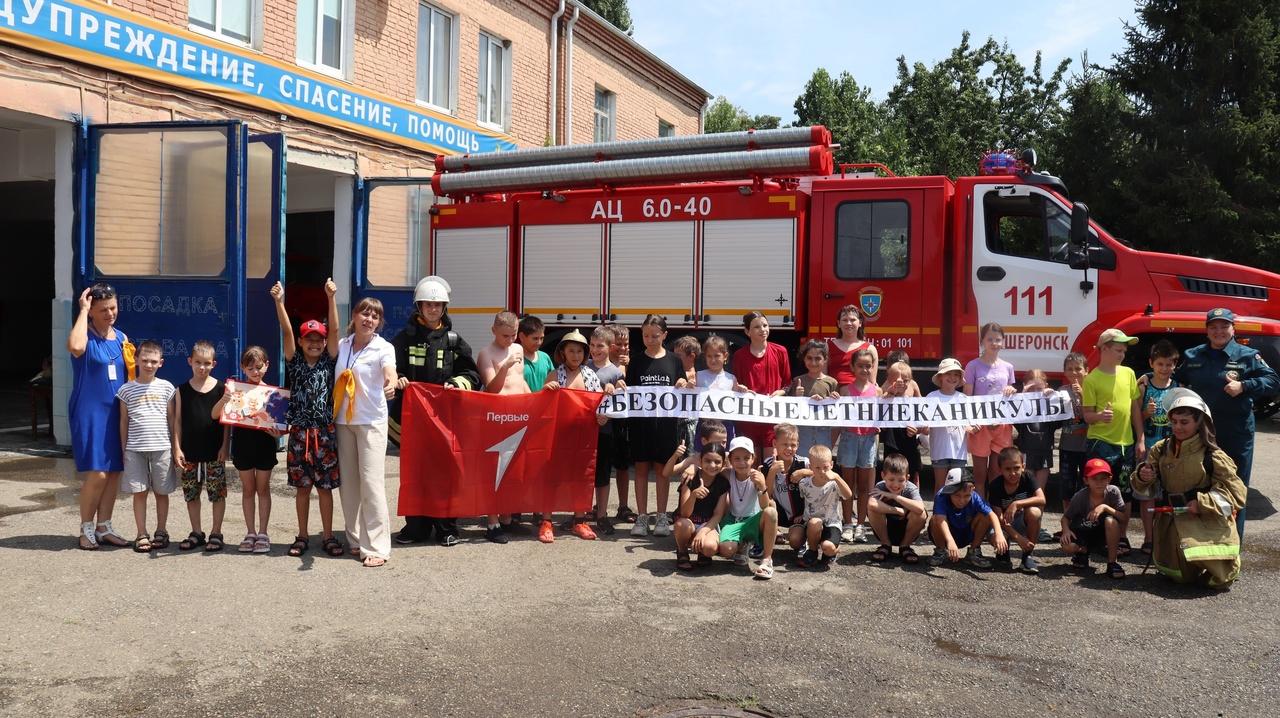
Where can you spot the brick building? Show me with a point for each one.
(191, 152)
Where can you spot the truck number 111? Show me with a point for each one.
(1030, 295)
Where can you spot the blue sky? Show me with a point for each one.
(760, 53)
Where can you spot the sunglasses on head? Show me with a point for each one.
(102, 291)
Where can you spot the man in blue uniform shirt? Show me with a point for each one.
(1229, 376)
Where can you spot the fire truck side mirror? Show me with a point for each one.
(1080, 224)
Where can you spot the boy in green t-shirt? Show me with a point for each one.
(1111, 404)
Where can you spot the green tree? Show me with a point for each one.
(1204, 76)
(1090, 148)
(615, 12)
(854, 119)
(724, 116)
(976, 99)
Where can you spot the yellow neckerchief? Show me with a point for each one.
(344, 387)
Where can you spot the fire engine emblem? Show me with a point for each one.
(870, 299)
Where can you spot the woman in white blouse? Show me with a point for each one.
(366, 379)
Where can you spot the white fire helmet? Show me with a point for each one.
(432, 289)
(1179, 398)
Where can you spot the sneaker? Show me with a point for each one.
(974, 557)
(756, 552)
(800, 553)
(583, 531)
(1029, 564)
(407, 537)
(515, 519)
(860, 534)
(496, 534)
(1045, 537)
(449, 540)
(605, 525)
(939, 556)
(662, 527)
(847, 534)
(642, 525)
(545, 533)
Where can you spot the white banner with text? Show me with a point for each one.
(884, 413)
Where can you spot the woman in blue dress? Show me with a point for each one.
(97, 361)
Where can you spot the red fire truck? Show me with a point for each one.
(702, 229)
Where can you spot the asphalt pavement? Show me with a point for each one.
(602, 628)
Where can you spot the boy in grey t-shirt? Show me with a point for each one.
(147, 411)
(896, 511)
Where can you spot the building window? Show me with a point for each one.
(666, 129)
(493, 81)
(436, 57)
(873, 240)
(234, 20)
(604, 115)
(324, 32)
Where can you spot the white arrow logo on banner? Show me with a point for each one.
(505, 450)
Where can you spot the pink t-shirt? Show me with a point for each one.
(868, 391)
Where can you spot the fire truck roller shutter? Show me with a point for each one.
(651, 271)
(748, 264)
(475, 260)
(561, 273)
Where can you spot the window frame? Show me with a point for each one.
(1047, 250)
(451, 106)
(488, 39)
(347, 41)
(836, 267)
(255, 25)
(668, 126)
(610, 114)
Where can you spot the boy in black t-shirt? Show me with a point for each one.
(1019, 502)
(704, 501)
(200, 446)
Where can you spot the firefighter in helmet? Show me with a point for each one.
(428, 350)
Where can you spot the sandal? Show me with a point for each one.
(262, 545)
(682, 561)
(246, 546)
(765, 570)
(740, 559)
(1080, 560)
(909, 555)
(625, 515)
(1115, 570)
(215, 543)
(162, 540)
(194, 540)
(106, 533)
(142, 544)
(881, 553)
(332, 547)
(374, 561)
(86, 540)
(1125, 547)
(299, 546)
(703, 560)
(1147, 546)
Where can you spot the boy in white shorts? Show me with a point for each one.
(147, 415)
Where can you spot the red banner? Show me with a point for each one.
(466, 453)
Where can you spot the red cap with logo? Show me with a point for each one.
(313, 326)
(1093, 467)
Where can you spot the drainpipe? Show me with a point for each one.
(568, 75)
(555, 62)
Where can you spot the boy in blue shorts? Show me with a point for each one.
(961, 517)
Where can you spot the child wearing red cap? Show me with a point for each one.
(313, 456)
(1093, 519)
